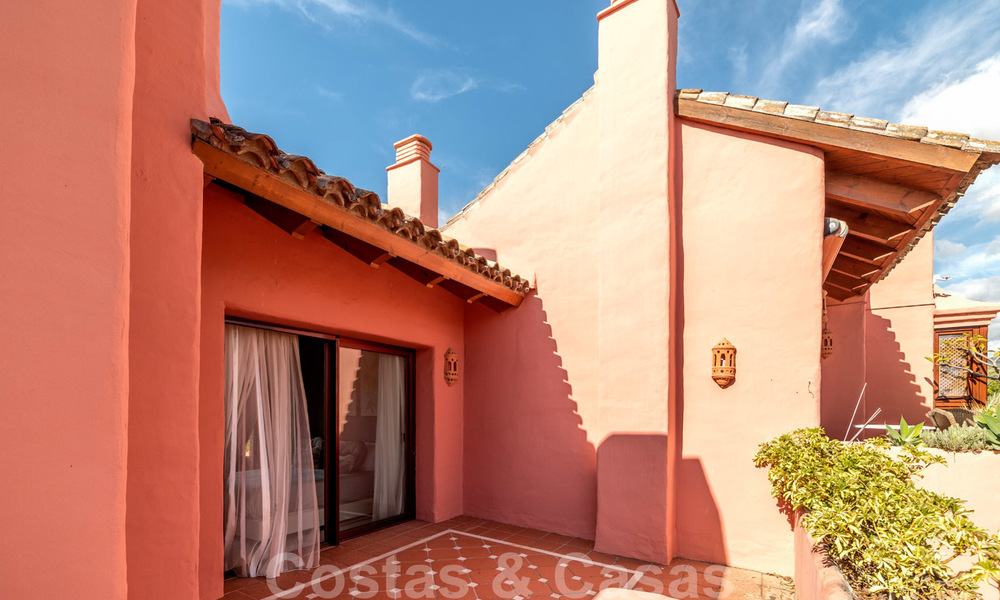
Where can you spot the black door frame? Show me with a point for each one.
(331, 385)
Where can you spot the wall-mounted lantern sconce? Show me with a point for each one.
(827, 348)
(724, 363)
(450, 367)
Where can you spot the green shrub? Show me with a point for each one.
(906, 435)
(961, 438)
(887, 535)
(989, 422)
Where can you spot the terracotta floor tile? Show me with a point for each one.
(466, 593)
(581, 543)
(479, 530)
(235, 583)
(630, 563)
(587, 570)
(526, 555)
(543, 544)
(484, 576)
(441, 542)
(480, 564)
(474, 552)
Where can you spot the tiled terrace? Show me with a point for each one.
(473, 559)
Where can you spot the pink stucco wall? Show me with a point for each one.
(584, 361)
(531, 373)
(899, 334)
(883, 339)
(253, 269)
(962, 477)
(768, 303)
(163, 521)
(844, 371)
(973, 477)
(68, 72)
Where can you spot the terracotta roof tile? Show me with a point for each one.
(924, 135)
(866, 124)
(770, 106)
(988, 151)
(798, 111)
(261, 151)
(738, 101)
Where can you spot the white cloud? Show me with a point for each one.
(435, 86)
(968, 105)
(948, 248)
(981, 204)
(738, 57)
(983, 289)
(932, 49)
(328, 93)
(325, 12)
(825, 22)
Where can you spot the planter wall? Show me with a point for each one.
(973, 477)
(816, 578)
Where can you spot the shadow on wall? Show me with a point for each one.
(892, 385)
(633, 496)
(699, 522)
(528, 461)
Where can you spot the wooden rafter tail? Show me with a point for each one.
(865, 192)
(254, 180)
(867, 223)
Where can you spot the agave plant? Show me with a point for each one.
(990, 421)
(906, 435)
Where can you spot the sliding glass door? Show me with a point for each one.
(373, 434)
(353, 429)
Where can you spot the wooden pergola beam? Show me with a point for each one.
(826, 136)
(288, 221)
(304, 229)
(229, 168)
(856, 268)
(838, 293)
(831, 247)
(866, 249)
(867, 223)
(846, 282)
(862, 191)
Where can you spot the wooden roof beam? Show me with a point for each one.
(864, 192)
(372, 256)
(838, 293)
(826, 136)
(231, 169)
(865, 249)
(304, 229)
(846, 282)
(832, 243)
(854, 267)
(288, 221)
(867, 223)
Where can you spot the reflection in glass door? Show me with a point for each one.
(372, 431)
(358, 421)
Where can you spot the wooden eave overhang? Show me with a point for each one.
(890, 184)
(291, 192)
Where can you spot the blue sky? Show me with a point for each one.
(341, 80)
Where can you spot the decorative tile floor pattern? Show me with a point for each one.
(473, 559)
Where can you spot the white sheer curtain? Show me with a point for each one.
(271, 506)
(390, 451)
